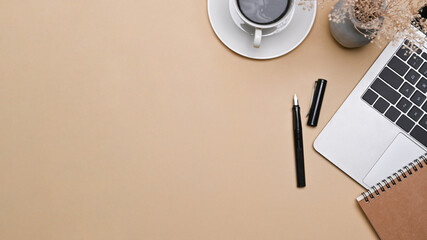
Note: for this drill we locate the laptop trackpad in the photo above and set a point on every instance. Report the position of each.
(398, 154)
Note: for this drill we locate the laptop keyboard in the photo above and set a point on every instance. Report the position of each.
(400, 90)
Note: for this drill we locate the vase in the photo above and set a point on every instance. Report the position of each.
(350, 32)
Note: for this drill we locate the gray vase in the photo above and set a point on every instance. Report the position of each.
(350, 32)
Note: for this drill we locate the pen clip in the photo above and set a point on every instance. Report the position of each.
(312, 98)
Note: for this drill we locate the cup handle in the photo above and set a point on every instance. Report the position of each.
(257, 37)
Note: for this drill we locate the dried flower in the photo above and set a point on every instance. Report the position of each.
(380, 21)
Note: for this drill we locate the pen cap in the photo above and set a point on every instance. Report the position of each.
(316, 102)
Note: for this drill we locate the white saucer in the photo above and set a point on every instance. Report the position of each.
(272, 46)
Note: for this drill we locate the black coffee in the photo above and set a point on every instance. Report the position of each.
(263, 11)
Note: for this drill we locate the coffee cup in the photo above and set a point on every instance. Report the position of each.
(270, 16)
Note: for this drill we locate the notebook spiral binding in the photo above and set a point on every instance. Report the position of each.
(395, 178)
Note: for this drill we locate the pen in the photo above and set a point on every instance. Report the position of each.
(298, 144)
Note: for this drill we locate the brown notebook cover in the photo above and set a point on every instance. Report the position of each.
(397, 206)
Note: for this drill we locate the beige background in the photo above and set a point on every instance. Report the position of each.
(131, 120)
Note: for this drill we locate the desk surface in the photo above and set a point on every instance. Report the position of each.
(131, 120)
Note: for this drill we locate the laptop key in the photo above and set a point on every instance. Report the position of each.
(415, 113)
(422, 85)
(370, 96)
(381, 105)
(405, 123)
(424, 55)
(407, 89)
(423, 121)
(423, 69)
(418, 98)
(412, 76)
(386, 91)
(391, 78)
(392, 113)
(403, 52)
(414, 47)
(404, 105)
(424, 107)
(415, 61)
(419, 134)
(398, 65)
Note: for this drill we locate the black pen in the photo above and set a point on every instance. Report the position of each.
(298, 144)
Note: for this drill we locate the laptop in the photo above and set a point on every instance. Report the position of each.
(382, 125)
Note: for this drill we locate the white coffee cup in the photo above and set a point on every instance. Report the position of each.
(271, 28)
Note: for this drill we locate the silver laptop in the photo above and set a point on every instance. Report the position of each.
(382, 125)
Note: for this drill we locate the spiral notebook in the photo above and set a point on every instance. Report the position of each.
(397, 206)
